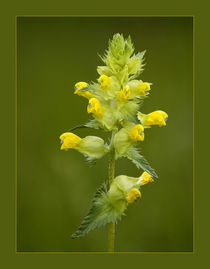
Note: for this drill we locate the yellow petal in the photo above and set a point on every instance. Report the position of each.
(144, 88)
(125, 93)
(146, 178)
(81, 85)
(154, 118)
(94, 107)
(133, 195)
(69, 141)
(104, 81)
(137, 133)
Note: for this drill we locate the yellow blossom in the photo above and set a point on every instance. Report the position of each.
(125, 93)
(146, 178)
(137, 133)
(155, 118)
(81, 85)
(133, 195)
(144, 88)
(94, 107)
(104, 81)
(69, 141)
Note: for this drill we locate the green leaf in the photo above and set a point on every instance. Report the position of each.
(101, 213)
(77, 127)
(88, 88)
(94, 124)
(140, 162)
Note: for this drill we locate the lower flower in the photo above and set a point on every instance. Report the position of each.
(124, 189)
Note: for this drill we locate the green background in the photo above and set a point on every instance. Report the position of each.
(55, 187)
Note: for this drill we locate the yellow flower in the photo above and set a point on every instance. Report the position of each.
(94, 107)
(133, 195)
(125, 93)
(81, 85)
(139, 88)
(146, 178)
(104, 81)
(69, 141)
(155, 118)
(144, 88)
(137, 133)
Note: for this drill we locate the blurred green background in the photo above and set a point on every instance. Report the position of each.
(55, 188)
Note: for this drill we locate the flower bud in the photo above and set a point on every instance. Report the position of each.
(81, 85)
(134, 66)
(155, 118)
(94, 107)
(104, 70)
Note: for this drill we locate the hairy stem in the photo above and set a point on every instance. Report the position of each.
(111, 228)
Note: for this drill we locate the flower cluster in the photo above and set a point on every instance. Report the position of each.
(114, 101)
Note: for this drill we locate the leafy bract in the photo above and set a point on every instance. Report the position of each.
(140, 162)
(101, 213)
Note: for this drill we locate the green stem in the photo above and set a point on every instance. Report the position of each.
(111, 228)
(111, 236)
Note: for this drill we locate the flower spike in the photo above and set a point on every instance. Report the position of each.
(114, 100)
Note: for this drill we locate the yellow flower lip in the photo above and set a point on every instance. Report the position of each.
(94, 107)
(81, 85)
(69, 141)
(133, 195)
(137, 133)
(145, 178)
(104, 81)
(144, 88)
